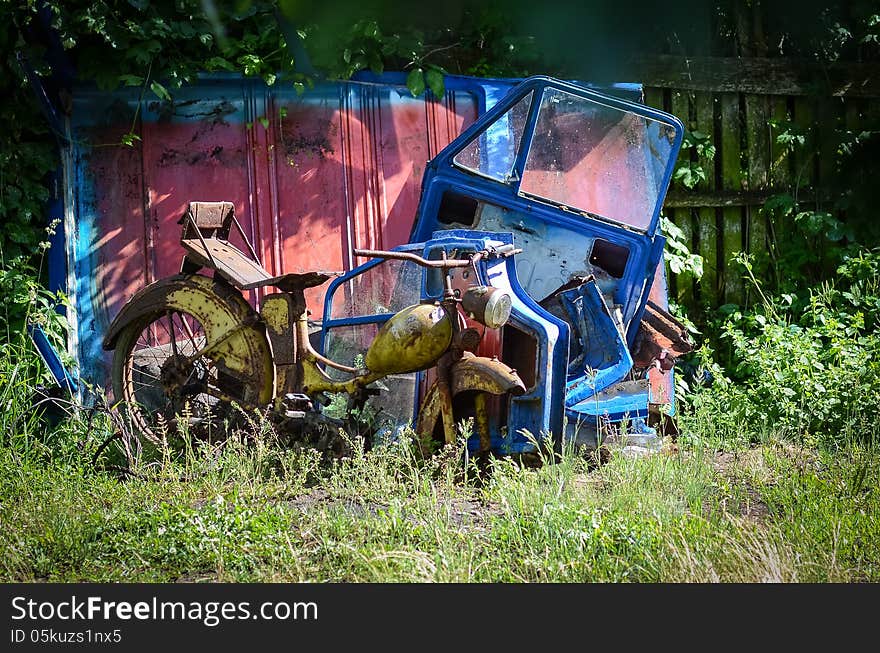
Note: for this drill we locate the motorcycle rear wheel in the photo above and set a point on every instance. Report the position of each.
(176, 391)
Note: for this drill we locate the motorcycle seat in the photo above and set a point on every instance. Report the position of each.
(206, 241)
(292, 281)
(245, 273)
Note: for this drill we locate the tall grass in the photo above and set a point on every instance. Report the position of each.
(259, 512)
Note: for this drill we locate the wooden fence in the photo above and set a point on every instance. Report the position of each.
(733, 99)
(723, 216)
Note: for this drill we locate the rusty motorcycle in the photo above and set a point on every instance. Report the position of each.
(191, 356)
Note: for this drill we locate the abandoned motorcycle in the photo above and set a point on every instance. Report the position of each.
(192, 358)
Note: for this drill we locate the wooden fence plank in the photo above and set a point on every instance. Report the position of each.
(778, 171)
(758, 141)
(732, 179)
(852, 114)
(685, 295)
(724, 215)
(676, 198)
(758, 147)
(707, 233)
(804, 158)
(779, 161)
(828, 112)
(654, 97)
(870, 114)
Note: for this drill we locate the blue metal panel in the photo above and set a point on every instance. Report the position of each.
(606, 358)
(537, 412)
(57, 257)
(616, 406)
(82, 245)
(53, 361)
(611, 359)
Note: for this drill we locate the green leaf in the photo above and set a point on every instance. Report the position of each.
(264, 121)
(836, 232)
(129, 139)
(250, 63)
(690, 174)
(434, 79)
(160, 91)
(415, 82)
(219, 63)
(672, 231)
(783, 203)
(360, 61)
(371, 29)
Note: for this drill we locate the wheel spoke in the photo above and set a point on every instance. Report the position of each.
(174, 351)
(189, 332)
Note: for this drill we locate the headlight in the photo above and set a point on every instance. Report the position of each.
(487, 305)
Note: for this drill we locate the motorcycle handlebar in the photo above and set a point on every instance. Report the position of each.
(415, 258)
(503, 250)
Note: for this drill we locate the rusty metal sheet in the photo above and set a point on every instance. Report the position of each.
(229, 261)
(661, 382)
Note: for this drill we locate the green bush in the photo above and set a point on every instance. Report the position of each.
(811, 372)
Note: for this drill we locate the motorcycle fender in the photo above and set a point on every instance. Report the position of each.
(486, 375)
(225, 302)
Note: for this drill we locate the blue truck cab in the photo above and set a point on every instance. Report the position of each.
(575, 178)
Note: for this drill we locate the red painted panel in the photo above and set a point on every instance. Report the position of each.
(404, 153)
(351, 176)
(419, 130)
(311, 229)
(119, 249)
(184, 162)
(311, 177)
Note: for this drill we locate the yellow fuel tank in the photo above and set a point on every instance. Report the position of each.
(410, 341)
